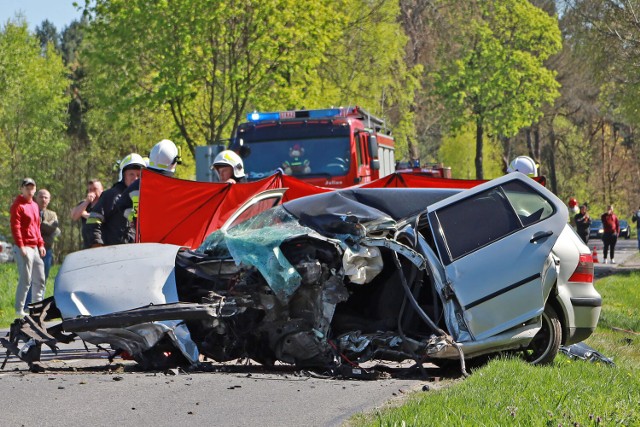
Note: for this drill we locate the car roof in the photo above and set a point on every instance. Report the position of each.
(368, 204)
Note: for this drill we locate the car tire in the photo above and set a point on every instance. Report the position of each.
(544, 347)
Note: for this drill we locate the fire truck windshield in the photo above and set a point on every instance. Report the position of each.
(321, 156)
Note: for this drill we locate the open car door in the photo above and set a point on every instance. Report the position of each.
(493, 241)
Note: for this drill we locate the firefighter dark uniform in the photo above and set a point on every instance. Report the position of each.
(106, 225)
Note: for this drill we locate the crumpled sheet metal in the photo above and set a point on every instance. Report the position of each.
(584, 352)
(139, 338)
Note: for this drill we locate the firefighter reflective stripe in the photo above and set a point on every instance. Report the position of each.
(158, 165)
(95, 218)
(132, 213)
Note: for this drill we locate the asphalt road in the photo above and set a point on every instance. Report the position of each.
(81, 388)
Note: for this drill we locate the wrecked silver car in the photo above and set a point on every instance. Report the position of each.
(432, 275)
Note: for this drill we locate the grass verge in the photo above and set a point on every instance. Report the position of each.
(508, 391)
(8, 284)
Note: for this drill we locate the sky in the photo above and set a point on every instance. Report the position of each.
(59, 12)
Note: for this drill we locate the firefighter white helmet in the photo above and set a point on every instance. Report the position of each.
(133, 160)
(164, 156)
(525, 165)
(230, 158)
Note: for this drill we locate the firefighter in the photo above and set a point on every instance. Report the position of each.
(229, 167)
(163, 159)
(105, 226)
(525, 165)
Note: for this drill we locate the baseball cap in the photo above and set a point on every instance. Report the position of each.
(28, 181)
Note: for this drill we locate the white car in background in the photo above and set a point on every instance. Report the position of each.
(6, 250)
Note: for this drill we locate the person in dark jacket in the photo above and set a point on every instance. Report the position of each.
(106, 225)
(636, 218)
(83, 209)
(583, 223)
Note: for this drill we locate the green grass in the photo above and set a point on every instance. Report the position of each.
(8, 283)
(508, 391)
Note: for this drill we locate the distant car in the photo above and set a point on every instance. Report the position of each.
(596, 231)
(6, 250)
(352, 275)
(625, 230)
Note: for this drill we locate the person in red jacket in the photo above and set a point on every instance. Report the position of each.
(611, 228)
(29, 246)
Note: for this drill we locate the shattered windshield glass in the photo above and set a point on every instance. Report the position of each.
(256, 242)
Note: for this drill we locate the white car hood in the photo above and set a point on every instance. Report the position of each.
(115, 278)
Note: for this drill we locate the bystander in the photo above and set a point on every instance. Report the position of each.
(83, 209)
(48, 228)
(636, 218)
(611, 228)
(29, 246)
(583, 223)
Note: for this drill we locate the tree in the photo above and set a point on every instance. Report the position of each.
(32, 111)
(497, 79)
(205, 62)
(48, 33)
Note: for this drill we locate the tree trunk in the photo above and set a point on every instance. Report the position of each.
(478, 162)
(551, 158)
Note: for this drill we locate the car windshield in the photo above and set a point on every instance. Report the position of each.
(623, 223)
(326, 156)
(215, 243)
(596, 223)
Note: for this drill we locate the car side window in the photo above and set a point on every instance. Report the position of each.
(476, 222)
(530, 206)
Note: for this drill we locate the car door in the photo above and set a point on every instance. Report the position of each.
(493, 241)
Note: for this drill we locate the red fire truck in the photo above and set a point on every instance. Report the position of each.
(334, 147)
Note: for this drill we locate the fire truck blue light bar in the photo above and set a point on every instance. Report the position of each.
(296, 114)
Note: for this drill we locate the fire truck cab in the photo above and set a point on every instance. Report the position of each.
(334, 147)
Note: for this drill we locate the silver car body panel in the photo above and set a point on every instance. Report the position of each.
(515, 295)
(110, 279)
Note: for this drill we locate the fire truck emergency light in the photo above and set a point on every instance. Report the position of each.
(297, 114)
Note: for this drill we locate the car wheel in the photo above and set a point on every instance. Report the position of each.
(545, 345)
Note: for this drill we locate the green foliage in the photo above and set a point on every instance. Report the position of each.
(565, 393)
(8, 284)
(204, 62)
(498, 79)
(32, 112)
(458, 152)
(208, 63)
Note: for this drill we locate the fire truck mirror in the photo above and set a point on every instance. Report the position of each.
(245, 151)
(375, 164)
(373, 149)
